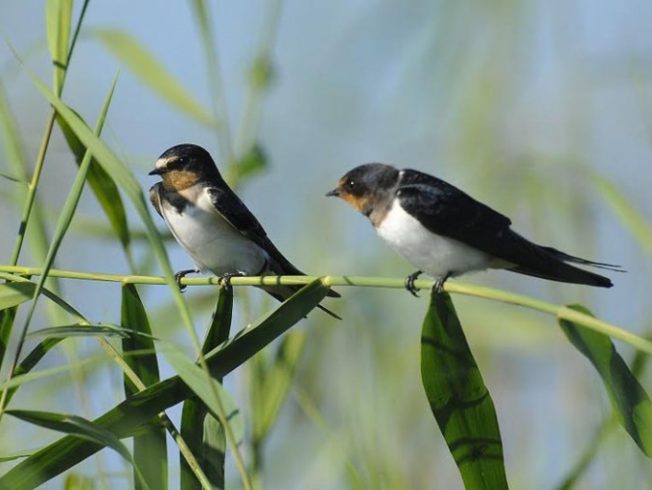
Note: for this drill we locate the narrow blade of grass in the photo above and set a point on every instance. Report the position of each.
(145, 66)
(150, 449)
(126, 418)
(58, 14)
(630, 402)
(203, 433)
(86, 330)
(459, 399)
(79, 427)
(102, 186)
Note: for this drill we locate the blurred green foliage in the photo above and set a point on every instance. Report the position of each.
(531, 106)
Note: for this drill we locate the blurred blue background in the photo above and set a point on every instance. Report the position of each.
(527, 105)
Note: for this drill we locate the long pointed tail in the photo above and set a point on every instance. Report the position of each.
(567, 273)
(558, 269)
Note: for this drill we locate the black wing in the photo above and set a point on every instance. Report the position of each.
(236, 213)
(445, 210)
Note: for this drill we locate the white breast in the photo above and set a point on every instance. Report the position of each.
(434, 254)
(210, 240)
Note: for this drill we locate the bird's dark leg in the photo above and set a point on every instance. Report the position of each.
(439, 283)
(225, 279)
(409, 283)
(181, 274)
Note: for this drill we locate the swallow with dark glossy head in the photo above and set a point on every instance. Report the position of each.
(212, 224)
(444, 232)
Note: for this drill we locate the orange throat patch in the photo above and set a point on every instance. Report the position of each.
(358, 203)
(180, 179)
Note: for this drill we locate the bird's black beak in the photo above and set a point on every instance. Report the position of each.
(157, 171)
(333, 193)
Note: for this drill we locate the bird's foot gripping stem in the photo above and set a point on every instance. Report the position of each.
(439, 283)
(225, 279)
(181, 274)
(409, 283)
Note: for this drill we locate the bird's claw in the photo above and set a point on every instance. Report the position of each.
(180, 275)
(409, 283)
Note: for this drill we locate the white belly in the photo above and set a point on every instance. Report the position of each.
(212, 242)
(433, 254)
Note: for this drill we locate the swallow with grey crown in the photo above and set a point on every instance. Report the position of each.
(444, 232)
(212, 224)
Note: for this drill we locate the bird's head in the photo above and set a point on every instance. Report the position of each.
(368, 188)
(183, 166)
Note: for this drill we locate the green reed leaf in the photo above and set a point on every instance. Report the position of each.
(459, 399)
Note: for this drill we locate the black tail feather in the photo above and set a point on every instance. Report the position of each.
(281, 293)
(567, 273)
(329, 312)
(578, 260)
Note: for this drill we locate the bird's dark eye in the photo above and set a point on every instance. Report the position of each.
(350, 185)
(177, 164)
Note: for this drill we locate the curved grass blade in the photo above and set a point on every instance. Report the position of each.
(81, 428)
(127, 417)
(144, 65)
(459, 399)
(150, 449)
(86, 330)
(203, 433)
(58, 14)
(630, 402)
(102, 186)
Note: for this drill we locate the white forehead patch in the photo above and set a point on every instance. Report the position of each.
(163, 162)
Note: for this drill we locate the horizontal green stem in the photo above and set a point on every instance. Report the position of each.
(561, 312)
